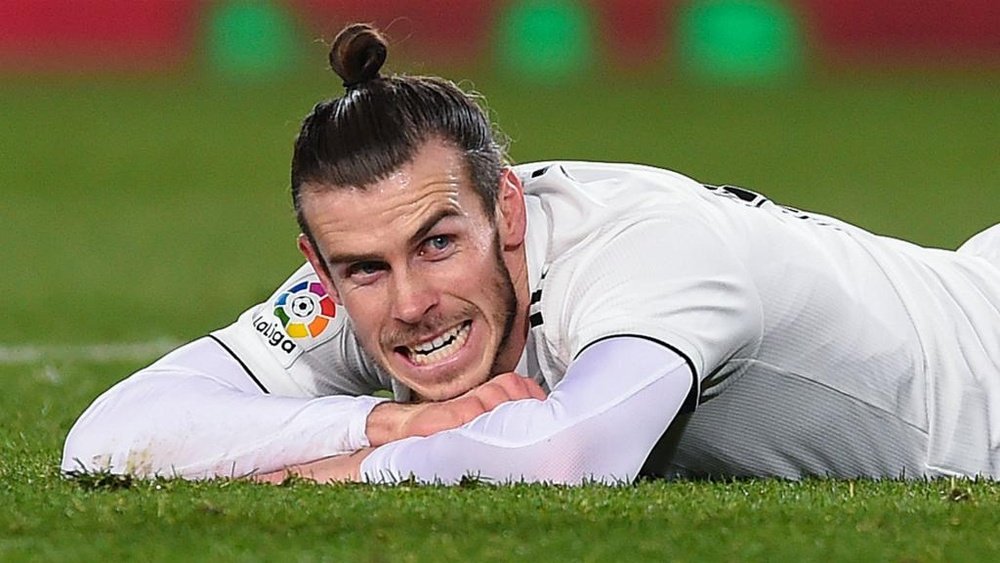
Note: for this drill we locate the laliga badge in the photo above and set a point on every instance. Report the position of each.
(302, 319)
(305, 310)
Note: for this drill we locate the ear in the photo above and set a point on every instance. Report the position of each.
(319, 265)
(511, 215)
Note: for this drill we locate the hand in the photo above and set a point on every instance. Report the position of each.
(335, 469)
(394, 421)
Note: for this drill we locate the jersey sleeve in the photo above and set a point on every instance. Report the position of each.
(598, 424)
(299, 343)
(673, 280)
(195, 414)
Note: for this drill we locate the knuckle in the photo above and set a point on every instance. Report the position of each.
(479, 406)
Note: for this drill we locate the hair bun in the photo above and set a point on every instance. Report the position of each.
(357, 54)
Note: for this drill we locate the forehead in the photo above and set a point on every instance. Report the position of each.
(361, 219)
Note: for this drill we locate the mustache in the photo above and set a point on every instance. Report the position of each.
(431, 325)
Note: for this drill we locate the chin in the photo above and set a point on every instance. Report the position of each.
(442, 390)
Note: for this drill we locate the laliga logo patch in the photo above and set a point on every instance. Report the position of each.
(305, 310)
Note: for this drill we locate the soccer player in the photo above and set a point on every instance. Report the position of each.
(562, 322)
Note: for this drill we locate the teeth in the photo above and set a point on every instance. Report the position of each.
(441, 347)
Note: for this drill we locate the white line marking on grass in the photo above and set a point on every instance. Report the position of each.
(22, 354)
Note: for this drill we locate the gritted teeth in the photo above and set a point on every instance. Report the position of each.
(440, 347)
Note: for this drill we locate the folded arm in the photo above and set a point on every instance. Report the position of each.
(196, 414)
(598, 424)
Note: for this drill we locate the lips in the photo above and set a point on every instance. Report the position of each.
(439, 348)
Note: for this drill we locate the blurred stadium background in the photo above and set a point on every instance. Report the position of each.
(145, 143)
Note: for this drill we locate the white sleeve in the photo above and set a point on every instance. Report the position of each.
(196, 413)
(598, 424)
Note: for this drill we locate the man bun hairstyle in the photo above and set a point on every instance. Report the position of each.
(358, 54)
(380, 122)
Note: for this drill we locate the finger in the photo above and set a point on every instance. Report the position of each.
(534, 389)
(519, 387)
(436, 417)
(512, 384)
(493, 394)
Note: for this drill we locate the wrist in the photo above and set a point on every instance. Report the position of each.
(385, 422)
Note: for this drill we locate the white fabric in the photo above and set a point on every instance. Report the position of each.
(985, 245)
(197, 414)
(598, 424)
(325, 361)
(752, 293)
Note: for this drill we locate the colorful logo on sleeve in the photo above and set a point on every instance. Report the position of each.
(305, 310)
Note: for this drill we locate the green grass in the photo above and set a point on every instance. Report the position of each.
(50, 518)
(143, 209)
(158, 208)
(46, 517)
(683, 521)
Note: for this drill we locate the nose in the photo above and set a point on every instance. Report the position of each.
(412, 297)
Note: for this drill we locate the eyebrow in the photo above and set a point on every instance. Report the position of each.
(432, 222)
(425, 227)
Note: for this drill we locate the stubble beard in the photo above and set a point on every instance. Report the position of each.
(504, 290)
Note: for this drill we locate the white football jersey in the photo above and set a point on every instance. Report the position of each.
(806, 335)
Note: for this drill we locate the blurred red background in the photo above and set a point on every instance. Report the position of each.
(159, 34)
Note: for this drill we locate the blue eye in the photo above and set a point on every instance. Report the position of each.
(439, 242)
(437, 247)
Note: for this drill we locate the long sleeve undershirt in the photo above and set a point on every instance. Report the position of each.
(598, 424)
(195, 414)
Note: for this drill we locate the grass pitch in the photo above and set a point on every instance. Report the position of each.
(157, 210)
(49, 518)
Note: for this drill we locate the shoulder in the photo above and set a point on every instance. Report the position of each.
(299, 342)
(544, 176)
(573, 202)
(672, 279)
(299, 316)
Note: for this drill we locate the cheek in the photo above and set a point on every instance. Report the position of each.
(367, 312)
(476, 284)
(471, 272)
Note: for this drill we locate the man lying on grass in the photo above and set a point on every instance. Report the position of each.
(551, 321)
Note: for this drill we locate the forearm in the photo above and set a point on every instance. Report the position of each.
(389, 422)
(173, 420)
(598, 424)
